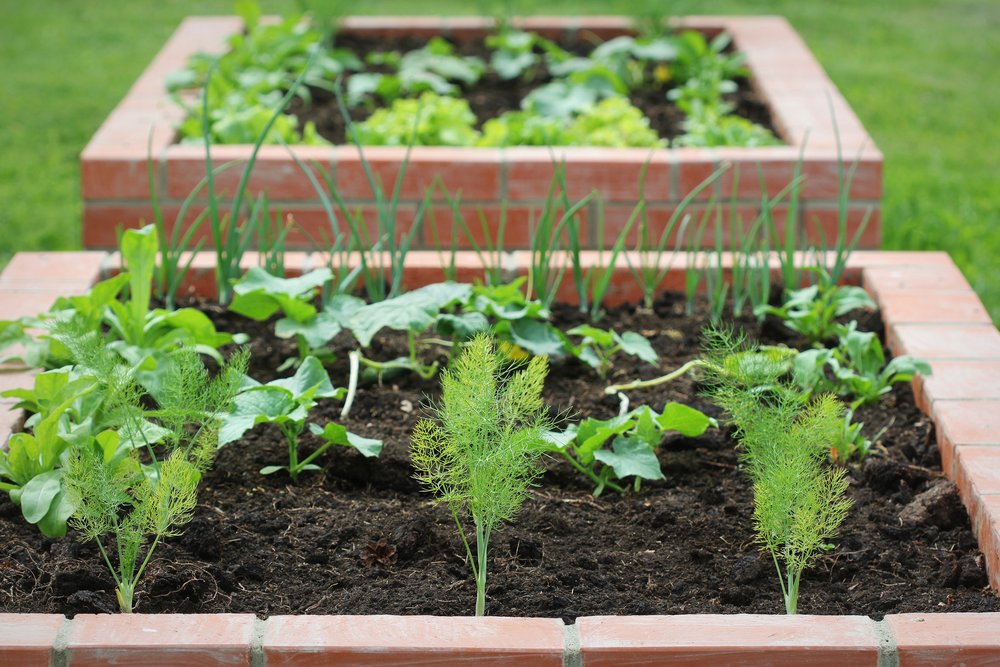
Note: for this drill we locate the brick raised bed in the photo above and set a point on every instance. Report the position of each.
(803, 102)
(929, 310)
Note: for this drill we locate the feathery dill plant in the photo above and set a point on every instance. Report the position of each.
(481, 455)
(126, 503)
(799, 500)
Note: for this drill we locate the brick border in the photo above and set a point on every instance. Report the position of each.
(960, 397)
(803, 101)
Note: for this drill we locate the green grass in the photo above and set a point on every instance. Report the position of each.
(918, 73)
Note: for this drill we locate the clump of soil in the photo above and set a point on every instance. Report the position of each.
(358, 537)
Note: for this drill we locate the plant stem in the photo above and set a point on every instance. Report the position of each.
(293, 451)
(482, 545)
(352, 383)
(663, 379)
(590, 473)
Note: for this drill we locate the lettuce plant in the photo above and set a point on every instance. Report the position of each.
(480, 456)
(430, 120)
(32, 462)
(286, 403)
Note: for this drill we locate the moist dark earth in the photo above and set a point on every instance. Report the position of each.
(359, 537)
(491, 95)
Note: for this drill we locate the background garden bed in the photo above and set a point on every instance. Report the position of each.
(807, 110)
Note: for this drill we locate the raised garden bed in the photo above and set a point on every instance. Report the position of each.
(928, 311)
(807, 111)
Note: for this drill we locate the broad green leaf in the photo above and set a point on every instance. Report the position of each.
(200, 329)
(317, 331)
(138, 248)
(342, 307)
(37, 495)
(637, 346)
(264, 402)
(463, 326)
(414, 311)
(270, 470)
(601, 337)
(258, 294)
(539, 338)
(631, 456)
(337, 434)
(53, 524)
(593, 433)
(647, 426)
(369, 447)
(556, 441)
(684, 419)
(510, 65)
(310, 380)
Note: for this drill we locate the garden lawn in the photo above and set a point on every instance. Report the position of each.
(918, 73)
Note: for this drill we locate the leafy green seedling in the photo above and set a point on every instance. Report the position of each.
(850, 442)
(599, 346)
(634, 438)
(118, 498)
(32, 462)
(812, 311)
(799, 501)
(856, 367)
(259, 295)
(413, 312)
(286, 403)
(481, 455)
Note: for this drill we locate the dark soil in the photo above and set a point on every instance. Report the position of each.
(359, 537)
(491, 96)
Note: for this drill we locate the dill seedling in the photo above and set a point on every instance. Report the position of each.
(799, 500)
(122, 501)
(481, 456)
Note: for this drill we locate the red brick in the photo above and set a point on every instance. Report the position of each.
(942, 341)
(828, 220)
(693, 167)
(425, 267)
(973, 422)
(149, 639)
(958, 379)
(949, 306)
(977, 471)
(27, 640)
(473, 172)
(741, 639)
(101, 221)
(617, 175)
(274, 171)
(15, 303)
(52, 271)
(406, 640)
(111, 172)
(822, 177)
(936, 277)
(946, 639)
(658, 219)
(901, 260)
(519, 220)
(988, 519)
